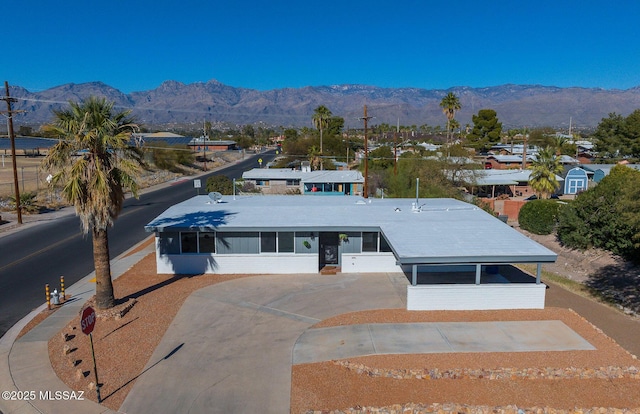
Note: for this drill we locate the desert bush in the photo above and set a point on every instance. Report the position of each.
(539, 216)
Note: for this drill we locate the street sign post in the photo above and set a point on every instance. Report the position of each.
(88, 320)
(87, 323)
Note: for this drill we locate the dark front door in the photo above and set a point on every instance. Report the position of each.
(329, 249)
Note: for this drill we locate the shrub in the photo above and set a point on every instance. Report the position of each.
(539, 216)
(221, 184)
(28, 202)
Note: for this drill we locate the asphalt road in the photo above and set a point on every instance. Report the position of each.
(40, 254)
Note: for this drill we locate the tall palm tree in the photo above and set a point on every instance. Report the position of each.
(450, 104)
(96, 165)
(543, 172)
(321, 117)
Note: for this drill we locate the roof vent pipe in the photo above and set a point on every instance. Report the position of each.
(415, 207)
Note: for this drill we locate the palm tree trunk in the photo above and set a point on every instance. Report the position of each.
(104, 286)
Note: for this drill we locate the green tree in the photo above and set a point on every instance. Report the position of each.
(290, 134)
(381, 158)
(486, 130)
(96, 165)
(335, 125)
(433, 180)
(543, 172)
(542, 137)
(619, 137)
(450, 104)
(220, 184)
(606, 216)
(321, 117)
(249, 131)
(245, 142)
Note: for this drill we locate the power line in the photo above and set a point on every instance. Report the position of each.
(9, 114)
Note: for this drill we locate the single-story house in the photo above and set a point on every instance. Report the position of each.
(602, 170)
(455, 255)
(201, 144)
(505, 162)
(492, 183)
(305, 181)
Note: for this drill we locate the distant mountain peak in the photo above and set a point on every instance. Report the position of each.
(175, 102)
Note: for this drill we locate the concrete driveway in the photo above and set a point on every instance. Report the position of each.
(229, 349)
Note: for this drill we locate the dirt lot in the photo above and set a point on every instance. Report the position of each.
(30, 176)
(573, 264)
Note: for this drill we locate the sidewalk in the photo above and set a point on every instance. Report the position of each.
(25, 364)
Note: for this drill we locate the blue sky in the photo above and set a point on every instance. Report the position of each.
(136, 45)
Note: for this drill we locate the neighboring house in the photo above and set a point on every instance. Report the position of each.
(505, 162)
(455, 255)
(602, 170)
(510, 149)
(305, 181)
(201, 144)
(196, 144)
(148, 138)
(493, 183)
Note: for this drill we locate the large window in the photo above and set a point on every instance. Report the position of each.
(207, 242)
(189, 242)
(384, 244)
(237, 242)
(197, 242)
(285, 242)
(369, 241)
(281, 242)
(268, 242)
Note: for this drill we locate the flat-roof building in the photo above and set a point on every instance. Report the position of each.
(455, 255)
(319, 182)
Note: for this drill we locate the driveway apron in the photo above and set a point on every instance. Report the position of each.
(229, 349)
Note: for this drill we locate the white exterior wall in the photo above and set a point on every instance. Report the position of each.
(369, 263)
(237, 263)
(476, 297)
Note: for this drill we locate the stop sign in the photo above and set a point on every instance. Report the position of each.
(88, 320)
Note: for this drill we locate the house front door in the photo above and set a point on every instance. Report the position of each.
(329, 255)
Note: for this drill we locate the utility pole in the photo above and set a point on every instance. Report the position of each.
(7, 98)
(347, 148)
(524, 153)
(204, 142)
(395, 149)
(366, 118)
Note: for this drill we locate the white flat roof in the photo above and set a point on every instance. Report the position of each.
(443, 231)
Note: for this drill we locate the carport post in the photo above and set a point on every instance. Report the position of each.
(538, 273)
(478, 273)
(414, 275)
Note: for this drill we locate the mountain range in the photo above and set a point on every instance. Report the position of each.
(176, 104)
